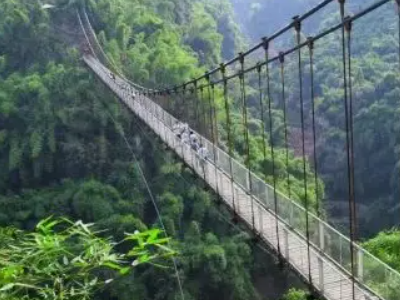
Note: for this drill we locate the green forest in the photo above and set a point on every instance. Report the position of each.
(375, 79)
(72, 192)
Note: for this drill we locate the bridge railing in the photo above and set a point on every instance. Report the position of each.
(371, 273)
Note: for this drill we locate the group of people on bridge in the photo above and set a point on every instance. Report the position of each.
(181, 130)
(123, 86)
(188, 137)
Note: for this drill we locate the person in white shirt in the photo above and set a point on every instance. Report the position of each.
(203, 152)
(176, 128)
(185, 137)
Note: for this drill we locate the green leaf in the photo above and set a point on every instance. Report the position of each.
(124, 271)
(153, 235)
(112, 265)
(93, 282)
(7, 287)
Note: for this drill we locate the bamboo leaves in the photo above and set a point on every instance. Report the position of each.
(61, 259)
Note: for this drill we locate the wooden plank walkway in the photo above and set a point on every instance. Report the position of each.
(330, 277)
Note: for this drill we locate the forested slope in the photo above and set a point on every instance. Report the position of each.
(376, 94)
(374, 45)
(62, 154)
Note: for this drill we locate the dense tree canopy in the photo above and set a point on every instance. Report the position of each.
(61, 152)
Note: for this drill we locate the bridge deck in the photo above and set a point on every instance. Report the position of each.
(329, 250)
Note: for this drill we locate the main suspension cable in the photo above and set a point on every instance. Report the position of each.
(272, 37)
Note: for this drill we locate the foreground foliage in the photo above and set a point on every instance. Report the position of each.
(65, 260)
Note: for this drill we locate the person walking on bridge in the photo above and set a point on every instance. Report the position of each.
(203, 153)
(195, 146)
(177, 128)
(192, 137)
(194, 143)
(185, 137)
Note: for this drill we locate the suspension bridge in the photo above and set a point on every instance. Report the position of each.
(335, 266)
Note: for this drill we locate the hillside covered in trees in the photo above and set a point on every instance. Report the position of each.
(62, 153)
(376, 94)
(375, 81)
